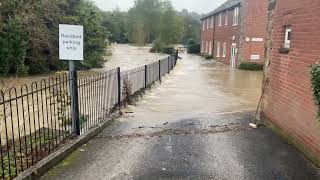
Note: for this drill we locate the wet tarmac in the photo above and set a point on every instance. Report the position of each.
(192, 126)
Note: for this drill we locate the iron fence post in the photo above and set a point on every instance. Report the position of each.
(160, 71)
(119, 87)
(146, 76)
(74, 101)
(169, 64)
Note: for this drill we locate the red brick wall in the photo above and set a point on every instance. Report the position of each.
(289, 98)
(252, 24)
(225, 33)
(207, 36)
(255, 27)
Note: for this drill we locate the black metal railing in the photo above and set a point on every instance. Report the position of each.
(36, 120)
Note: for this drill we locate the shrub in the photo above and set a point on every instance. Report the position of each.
(191, 42)
(208, 56)
(251, 66)
(315, 81)
(167, 49)
(13, 48)
(157, 46)
(194, 49)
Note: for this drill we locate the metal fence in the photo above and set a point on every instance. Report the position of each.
(36, 120)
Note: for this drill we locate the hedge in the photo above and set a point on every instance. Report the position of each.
(251, 66)
(315, 81)
(194, 49)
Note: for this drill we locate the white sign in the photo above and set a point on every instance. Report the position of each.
(70, 42)
(255, 57)
(257, 39)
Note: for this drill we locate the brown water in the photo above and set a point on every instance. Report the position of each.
(196, 89)
(129, 57)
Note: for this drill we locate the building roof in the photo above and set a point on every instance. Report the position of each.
(224, 6)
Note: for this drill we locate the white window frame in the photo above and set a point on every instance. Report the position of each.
(203, 25)
(235, 16)
(208, 23)
(218, 49)
(226, 18)
(224, 50)
(210, 47)
(207, 47)
(287, 39)
(212, 21)
(220, 19)
(202, 46)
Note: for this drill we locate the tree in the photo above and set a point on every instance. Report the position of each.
(116, 23)
(12, 48)
(170, 24)
(35, 24)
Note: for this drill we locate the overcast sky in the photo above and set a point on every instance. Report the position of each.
(199, 6)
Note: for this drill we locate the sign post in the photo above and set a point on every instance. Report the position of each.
(71, 49)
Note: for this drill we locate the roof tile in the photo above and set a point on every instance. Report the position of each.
(224, 6)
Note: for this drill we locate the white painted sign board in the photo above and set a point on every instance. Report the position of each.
(255, 57)
(257, 39)
(70, 42)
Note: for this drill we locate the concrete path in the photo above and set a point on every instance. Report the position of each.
(192, 126)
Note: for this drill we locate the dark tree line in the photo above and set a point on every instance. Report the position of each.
(153, 20)
(29, 31)
(29, 34)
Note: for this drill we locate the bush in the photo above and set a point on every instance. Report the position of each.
(13, 48)
(315, 81)
(194, 49)
(251, 66)
(208, 56)
(157, 46)
(167, 49)
(191, 42)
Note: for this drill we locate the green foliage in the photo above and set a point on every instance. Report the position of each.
(191, 26)
(315, 81)
(150, 20)
(95, 41)
(208, 56)
(251, 66)
(12, 48)
(157, 46)
(160, 47)
(194, 48)
(116, 22)
(191, 42)
(168, 49)
(31, 27)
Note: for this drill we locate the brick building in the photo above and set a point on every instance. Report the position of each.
(235, 32)
(293, 46)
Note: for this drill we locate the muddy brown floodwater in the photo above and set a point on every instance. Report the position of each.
(129, 57)
(198, 88)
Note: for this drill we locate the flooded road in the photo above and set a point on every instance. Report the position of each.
(192, 126)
